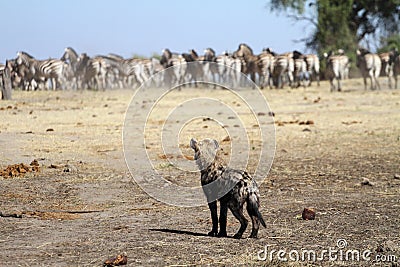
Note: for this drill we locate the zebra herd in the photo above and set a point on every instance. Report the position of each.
(267, 69)
(75, 71)
(370, 65)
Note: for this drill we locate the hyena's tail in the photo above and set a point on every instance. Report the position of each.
(253, 205)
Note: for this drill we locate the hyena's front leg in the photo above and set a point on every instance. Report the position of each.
(214, 218)
(223, 213)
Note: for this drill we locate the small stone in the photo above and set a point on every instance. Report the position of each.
(119, 260)
(396, 176)
(308, 214)
(387, 246)
(70, 168)
(366, 181)
(226, 139)
(54, 166)
(34, 163)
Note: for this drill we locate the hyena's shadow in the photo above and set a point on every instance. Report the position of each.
(179, 232)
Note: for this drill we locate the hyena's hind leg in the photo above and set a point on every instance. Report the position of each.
(237, 211)
(254, 213)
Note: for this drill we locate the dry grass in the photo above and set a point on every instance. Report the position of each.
(86, 207)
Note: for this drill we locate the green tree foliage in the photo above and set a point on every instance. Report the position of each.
(343, 23)
(156, 55)
(389, 43)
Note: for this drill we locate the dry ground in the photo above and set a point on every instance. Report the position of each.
(83, 206)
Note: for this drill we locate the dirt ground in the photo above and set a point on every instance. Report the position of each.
(83, 206)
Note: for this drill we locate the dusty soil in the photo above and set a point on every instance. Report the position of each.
(338, 153)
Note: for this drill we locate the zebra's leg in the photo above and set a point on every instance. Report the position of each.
(214, 79)
(372, 79)
(378, 86)
(365, 83)
(270, 80)
(310, 75)
(340, 84)
(291, 78)
(47, 84)
(281, 81)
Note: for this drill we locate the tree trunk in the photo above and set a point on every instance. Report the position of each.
(5, 85)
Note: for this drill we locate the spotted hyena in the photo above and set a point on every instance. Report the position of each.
(231, 187)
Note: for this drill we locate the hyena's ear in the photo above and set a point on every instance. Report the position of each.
(193, 144)
(216, 145)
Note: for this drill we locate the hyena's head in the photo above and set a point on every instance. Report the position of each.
(205, 152)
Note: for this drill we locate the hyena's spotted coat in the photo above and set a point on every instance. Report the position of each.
(231, 187)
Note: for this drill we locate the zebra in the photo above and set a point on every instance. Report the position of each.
(71, 58)
(24, 75)
(300, 69)
(283, 68)
(336, 68)
(156, 74)
(194, 68)
(139, 70)
(229, 69)
(83, 69)
(387, 67)
(313, 66)
(120, 71)
(94, 72)
(223, 61)
(42, 70)
(210, 66)
(111, 71)
(176, 75)
(266, 64)
(250, 66)
(370, 66)
(130, 72)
